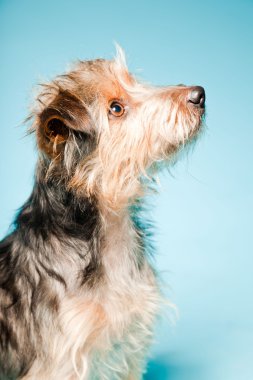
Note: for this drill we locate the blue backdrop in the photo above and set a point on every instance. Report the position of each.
(204, 211)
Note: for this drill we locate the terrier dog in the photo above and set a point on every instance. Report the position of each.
(78, 295)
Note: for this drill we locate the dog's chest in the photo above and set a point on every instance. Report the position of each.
(115, 318)
(108, 329)
(123, 296)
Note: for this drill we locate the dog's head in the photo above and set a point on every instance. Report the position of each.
(100, 130)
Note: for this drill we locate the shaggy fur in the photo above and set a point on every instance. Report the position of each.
(78, 295)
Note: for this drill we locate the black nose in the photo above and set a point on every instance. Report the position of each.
(197, 96)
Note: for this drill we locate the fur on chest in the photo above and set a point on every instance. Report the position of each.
(103, 331)
(101, 335)
(109, 325)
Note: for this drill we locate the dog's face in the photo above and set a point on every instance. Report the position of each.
(101, 129)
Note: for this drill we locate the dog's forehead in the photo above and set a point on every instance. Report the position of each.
(102, 78)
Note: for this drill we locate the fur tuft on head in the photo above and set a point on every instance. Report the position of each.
(120, 57)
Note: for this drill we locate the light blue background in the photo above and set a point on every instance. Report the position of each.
(203, 214)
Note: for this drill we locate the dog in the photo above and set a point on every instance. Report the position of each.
(78, 294)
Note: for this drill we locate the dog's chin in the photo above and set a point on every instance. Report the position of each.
(181, 142)
(198, 127)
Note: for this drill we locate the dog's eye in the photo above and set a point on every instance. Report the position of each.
(56, 130)
(116, 109)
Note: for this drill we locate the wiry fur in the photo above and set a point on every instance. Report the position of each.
(78, 295)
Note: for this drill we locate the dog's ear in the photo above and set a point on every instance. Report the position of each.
(56, 130)
(64, 115)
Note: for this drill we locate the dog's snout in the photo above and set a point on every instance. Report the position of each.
(197, 96)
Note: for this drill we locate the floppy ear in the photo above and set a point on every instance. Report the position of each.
(65, 114)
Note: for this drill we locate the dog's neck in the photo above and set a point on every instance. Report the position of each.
(105, 241)
(51, 209)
